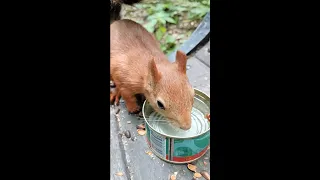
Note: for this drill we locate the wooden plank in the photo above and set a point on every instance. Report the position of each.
(117, 163)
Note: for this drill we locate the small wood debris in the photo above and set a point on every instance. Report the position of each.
(197, 175)
(118, 110)
(192, 167)
(119, 174)
(205, 174)
(141, 132)
(173, 177)
(117, 117)
(127, 133)
(149, 153)
(205, 163)
(141, 126)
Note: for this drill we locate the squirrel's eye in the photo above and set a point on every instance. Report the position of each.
(160, 105)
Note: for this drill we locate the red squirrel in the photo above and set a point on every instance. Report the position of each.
(138, 66)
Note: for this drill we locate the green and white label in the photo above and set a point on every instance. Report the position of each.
(190, 147)
(158, 143)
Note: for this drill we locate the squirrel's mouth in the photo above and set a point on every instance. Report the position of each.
(171, 119)
(173, 122)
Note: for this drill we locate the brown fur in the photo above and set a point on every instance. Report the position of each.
(115, 96)
(138, 66)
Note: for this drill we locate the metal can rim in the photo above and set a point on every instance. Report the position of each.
(176, 137)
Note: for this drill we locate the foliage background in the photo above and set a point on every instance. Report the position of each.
(171, 21)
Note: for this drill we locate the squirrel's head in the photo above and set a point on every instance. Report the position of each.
(169, 92)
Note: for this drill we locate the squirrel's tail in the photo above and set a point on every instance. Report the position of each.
(115, 8)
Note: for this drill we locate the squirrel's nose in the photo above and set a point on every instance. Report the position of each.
(185, 126)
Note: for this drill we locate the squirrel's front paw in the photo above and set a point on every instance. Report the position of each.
(114, 99)
(133, 108)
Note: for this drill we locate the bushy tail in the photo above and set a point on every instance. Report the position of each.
(115, 8)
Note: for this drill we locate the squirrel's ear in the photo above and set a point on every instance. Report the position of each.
(156, 76)
(181, 61)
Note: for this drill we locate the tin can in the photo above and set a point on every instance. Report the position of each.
(175, 149)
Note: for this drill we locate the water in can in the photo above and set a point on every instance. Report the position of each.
(199, 123)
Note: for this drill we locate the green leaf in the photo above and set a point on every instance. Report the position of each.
(139, 6)
(161, 7)
(170, 49)
(170, 39)
(162, 21)
(173, 13)
(157, 15)
(143, 6)
(163, 48)
(178, 9)
(163, 29)
(192, 16)
(180, 36)
(150, 26)
(139, 21)
(198, 13)
(200, 10)
(149, 11)
(176, 18)
(191, 4)
(170, 20)
(159, 34)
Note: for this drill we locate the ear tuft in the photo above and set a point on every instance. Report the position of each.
(181, 61)
(156, 76)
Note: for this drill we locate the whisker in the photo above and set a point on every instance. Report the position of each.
(159, 121)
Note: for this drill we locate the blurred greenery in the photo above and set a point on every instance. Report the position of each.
(162, 13)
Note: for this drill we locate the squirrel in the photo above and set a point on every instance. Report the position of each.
(115, 8)
(138, 66)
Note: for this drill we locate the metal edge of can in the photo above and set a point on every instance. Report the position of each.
(171, 148)
(175, 137)
(175, 162)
